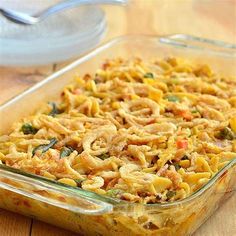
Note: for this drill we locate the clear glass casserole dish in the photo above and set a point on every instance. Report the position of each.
(89, 213)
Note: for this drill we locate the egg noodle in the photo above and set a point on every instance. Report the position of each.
(140, 131)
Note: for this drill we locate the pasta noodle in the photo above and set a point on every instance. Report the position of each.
(146, 132)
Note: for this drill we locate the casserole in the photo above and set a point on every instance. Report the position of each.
(112, 216)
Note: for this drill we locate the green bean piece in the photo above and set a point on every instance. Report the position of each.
(45, 147)
(28, 129)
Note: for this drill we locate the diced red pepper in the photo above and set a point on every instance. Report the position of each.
(187, 115)
(182, 144)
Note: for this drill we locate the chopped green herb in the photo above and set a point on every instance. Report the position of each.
(45, 147)
(176, 165)
(148, 75)
(66, 151)
(114, 192)
(103, 156)
(195, 111)
(170, 194)
(225, 133)
(28, 129)
(54, 110)
(172, 98)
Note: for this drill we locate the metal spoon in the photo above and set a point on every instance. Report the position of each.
(23, 18)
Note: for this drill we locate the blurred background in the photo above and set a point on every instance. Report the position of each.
(213, 19)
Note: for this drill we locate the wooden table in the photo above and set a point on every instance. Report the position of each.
(200, 17)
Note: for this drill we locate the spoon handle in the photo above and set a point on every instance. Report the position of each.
(74, 3)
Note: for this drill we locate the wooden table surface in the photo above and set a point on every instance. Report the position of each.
(207, 18)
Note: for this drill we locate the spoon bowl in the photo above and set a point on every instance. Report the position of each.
(26, 19)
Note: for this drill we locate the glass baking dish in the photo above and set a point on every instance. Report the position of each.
(92, 214)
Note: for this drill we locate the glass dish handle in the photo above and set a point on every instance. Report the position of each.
(72, 199)
(194, 42)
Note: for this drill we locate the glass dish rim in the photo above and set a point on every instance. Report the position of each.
(165, 40)
(116, 201)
